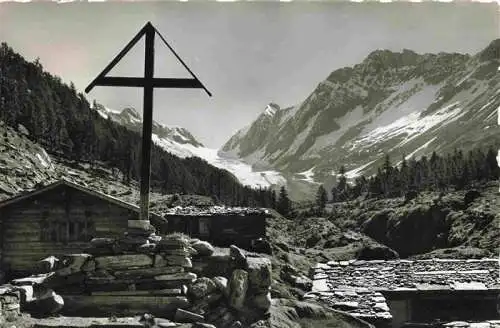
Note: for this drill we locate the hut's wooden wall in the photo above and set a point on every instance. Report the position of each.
(224, 230)
(55, 222)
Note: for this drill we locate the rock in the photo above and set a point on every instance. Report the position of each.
(88, 266)
(262, 301)
(375, 251)
(347, 306)
(102, 242)
(303, 283)
(172, 260)
(72, 263)
(147, 272)
(470, 196)
(202, 287)
(187, 316)
(284, 246)
(203, 325)
(121, 262)
(46, 306)
(238, 257)
(203, 248)
(238, 286)
(236, 324)
(381, 307)
(173, 242)
(259, 273)
(220, 283)
(184, 276)
(47, 265)
(146, 248)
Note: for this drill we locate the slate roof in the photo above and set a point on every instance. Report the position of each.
(214, 211)
(356, 286)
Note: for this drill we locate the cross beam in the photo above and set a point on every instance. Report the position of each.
(148, 83)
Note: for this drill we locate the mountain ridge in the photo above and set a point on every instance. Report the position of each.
(398, 103)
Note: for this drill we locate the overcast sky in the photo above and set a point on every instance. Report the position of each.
(246, 54)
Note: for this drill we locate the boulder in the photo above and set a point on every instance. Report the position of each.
(202, 287)
(220, 283)
(238, 286)
(203, 248)
(375, 251)
(262, 301)
(259, 273)
(238, 257)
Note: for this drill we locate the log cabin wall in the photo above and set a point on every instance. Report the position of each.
(222, 230)
(57, 221)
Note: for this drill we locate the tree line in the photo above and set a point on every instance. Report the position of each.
(456, 170)
(63, 121)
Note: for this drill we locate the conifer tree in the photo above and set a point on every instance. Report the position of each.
(321, 199)
(284, 203)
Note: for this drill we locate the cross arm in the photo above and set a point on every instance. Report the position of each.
(142, 82)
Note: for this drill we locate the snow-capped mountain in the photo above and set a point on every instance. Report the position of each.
(396, 103)
(180, 142)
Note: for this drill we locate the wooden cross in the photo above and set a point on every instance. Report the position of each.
(148, 83)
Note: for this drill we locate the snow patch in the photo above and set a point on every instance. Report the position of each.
(411, 126)
(352, 174)
(425, 145)
(270, 111)
(243, 171)
(308, 176)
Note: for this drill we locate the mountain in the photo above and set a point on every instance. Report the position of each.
(396, 103)
(59, 119)
(180, 142)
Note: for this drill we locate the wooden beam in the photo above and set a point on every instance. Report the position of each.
(141, 82)
(122, 53)
(147, 123)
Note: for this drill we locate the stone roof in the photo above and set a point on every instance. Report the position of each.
(214, 211)
(355, 286)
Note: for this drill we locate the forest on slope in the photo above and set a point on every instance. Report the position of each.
(60, 118)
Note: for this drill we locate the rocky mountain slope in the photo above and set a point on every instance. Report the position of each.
(399, 103)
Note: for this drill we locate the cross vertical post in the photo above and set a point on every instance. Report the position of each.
(147, 122)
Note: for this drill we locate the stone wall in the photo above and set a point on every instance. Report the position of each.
(142, 272)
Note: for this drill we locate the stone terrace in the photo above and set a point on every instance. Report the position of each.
(356, 286)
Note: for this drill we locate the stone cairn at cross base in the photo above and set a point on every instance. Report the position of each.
(142, 272)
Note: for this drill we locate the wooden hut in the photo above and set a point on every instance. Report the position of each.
(56, 219)
(220, 225)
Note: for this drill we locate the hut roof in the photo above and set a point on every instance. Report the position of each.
(359, 287)
(72, 185)
(214, 211)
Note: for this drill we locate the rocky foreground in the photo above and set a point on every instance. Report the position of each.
(174, 281)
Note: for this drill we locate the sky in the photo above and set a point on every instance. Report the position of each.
(246, 54)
